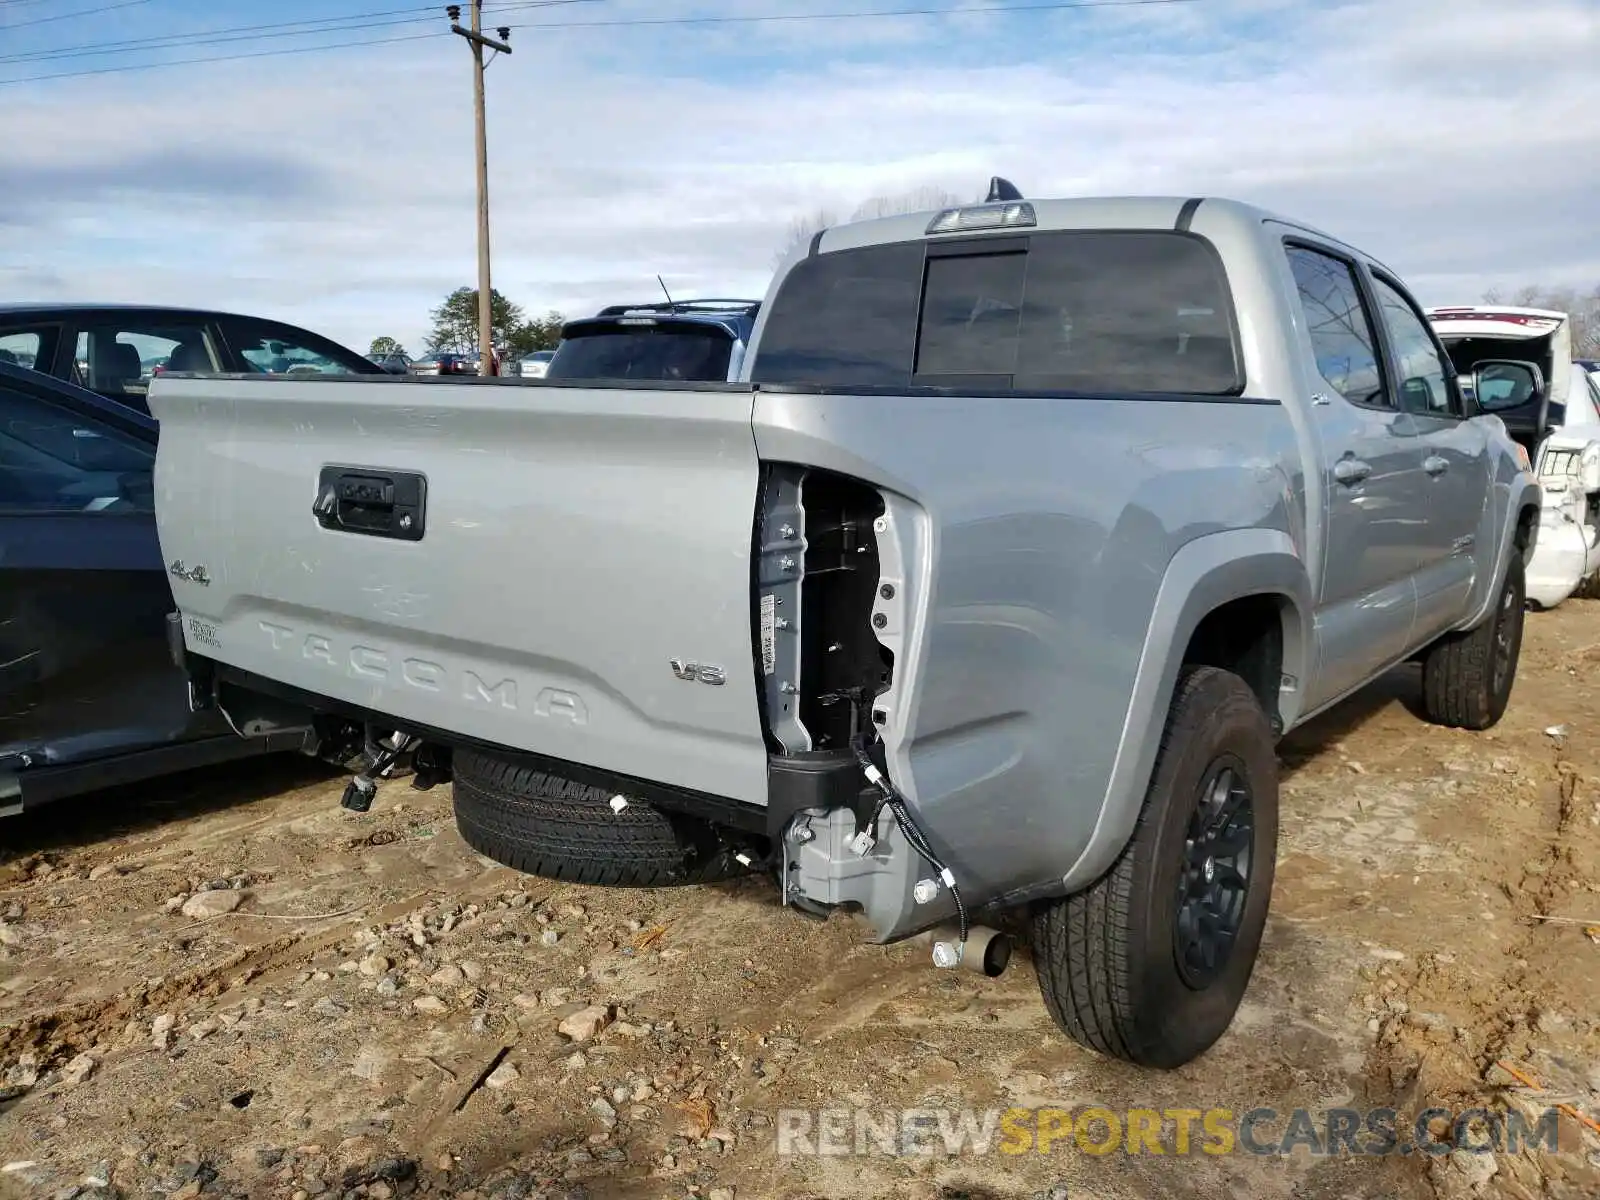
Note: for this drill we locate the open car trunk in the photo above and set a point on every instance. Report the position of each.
(561, 570)
(1473, 335)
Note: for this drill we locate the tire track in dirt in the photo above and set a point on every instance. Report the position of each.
(56, 1035)
(1450, 1018)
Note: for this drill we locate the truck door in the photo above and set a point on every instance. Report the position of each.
(1376, 500)
(1455, 461)
(84, 666)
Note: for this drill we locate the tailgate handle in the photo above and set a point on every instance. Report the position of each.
(377, 503)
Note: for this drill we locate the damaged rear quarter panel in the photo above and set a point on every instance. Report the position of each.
(1046, 528)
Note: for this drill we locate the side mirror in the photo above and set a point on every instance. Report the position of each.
(1501, 385)
(1416, 395)
(1516, 393)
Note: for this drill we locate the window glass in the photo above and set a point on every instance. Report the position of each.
(643, 352)
(276, 351)
(1342, 336)
(1424, 385)
(1077, 311)
(1127, 312)
(119, 360)
(971, 315)
(20, 347)
(53, 460)
(845, 319)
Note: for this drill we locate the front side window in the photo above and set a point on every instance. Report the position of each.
(1342, 336)
(274, 351)
(55, 460)
(1425, 373)
(1125, 312)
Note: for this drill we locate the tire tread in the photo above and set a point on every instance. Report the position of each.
(1457, 670)
(557, 828)
(1083, 943)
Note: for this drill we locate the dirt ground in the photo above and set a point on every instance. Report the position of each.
(379, 1014)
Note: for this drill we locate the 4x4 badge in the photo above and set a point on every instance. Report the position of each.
(194, 574)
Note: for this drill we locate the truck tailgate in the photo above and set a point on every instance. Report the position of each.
(574, 543)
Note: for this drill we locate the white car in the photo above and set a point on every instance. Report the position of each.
(1566, 557)
(534, 365)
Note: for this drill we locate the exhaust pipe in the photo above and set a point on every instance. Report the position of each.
(987, 951)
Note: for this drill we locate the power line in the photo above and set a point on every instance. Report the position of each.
(183, 62)
(161, 40)
(972, 10)
(243, 33)
(82, 12)
(620, 23)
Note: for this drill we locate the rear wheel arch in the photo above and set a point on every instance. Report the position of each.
(1252, 637)
(1527, 522)
(1239, 580)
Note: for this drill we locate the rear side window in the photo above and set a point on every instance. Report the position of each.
(644, 352)
(21, 347)
(31, 346)
(1096, 311)
(1342, 337)
(119, 359)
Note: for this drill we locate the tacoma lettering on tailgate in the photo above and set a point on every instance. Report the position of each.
(423, 674)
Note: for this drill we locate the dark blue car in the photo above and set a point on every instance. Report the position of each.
(90, 694)
(685, 341)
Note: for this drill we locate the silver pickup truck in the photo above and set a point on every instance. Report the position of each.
(987, 591)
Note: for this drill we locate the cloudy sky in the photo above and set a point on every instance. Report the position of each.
(1459, 140)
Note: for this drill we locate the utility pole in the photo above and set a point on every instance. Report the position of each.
(478, 41)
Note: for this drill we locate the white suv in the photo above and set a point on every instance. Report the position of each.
(533, 366)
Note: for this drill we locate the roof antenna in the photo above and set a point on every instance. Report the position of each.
(1001, 190)
(670, 302)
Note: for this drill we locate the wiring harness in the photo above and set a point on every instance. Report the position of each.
(890, 798)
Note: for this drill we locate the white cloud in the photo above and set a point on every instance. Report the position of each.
(1455, 139)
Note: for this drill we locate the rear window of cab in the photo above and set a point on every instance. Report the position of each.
(1124, 311)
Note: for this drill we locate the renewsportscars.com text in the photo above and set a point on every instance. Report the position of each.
(845, 1132)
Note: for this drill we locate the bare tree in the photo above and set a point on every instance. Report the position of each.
(922, 199)
(1582, 307)
(801, 230)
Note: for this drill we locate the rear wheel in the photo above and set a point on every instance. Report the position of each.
(1467, 677)
(1150, 962)
(554, 827)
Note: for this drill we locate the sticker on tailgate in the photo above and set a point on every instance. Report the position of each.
(769, 627)
(203, 633)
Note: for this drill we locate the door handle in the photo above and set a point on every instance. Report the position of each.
(1351, 470)
(1435, 465)
(377, 503)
